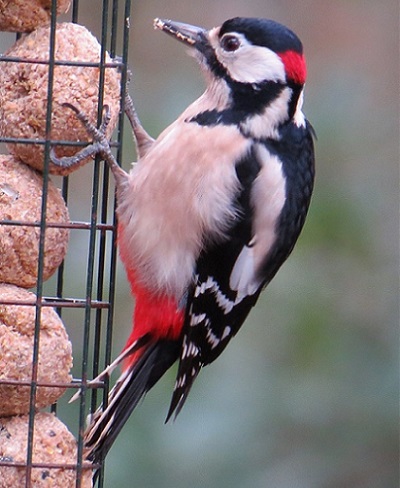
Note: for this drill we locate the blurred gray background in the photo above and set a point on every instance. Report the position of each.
(306, 396)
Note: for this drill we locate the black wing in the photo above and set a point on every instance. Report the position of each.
(214, 311)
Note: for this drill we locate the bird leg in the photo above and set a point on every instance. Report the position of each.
(143, 140)
(100, 145)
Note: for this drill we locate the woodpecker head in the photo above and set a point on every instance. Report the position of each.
(257, 60)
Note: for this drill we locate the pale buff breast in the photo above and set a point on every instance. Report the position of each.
(177, 194)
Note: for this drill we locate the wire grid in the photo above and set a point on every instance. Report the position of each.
(97, 300)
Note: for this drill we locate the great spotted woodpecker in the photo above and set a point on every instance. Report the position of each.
(210, 211)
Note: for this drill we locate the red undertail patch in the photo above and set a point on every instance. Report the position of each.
(156, 315)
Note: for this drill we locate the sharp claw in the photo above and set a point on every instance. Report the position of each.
(94, 383)
(69, 161)
(100, 144)
(71, 106)
(75, 396)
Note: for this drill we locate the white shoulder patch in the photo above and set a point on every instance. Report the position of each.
(243, 274)
(268, 197)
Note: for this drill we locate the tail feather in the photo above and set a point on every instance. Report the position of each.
(189, 367)
(130, 388)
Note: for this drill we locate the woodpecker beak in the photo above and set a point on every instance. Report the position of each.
(188, 34)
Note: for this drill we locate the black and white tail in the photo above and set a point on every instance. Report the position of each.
(108, 420)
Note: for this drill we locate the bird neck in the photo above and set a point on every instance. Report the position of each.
(258, 111)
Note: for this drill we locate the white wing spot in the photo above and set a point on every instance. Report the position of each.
(226, 333)
(189, 350)
(222, 300)
(204, 286)
(197, 319)
(213, 340)
(180, 382)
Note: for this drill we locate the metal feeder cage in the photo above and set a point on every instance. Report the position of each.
(87, 313)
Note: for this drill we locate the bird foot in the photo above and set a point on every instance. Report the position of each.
(100, 144)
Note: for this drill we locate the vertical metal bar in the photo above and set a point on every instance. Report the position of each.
(91, 261)
(114, 28)
(75, 10)
(97, 276)
(87, 318)
(103, 216)
(125, 47)
(124, 72)
(39, 292)
(61, 269)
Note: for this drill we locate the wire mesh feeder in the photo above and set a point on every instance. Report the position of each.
(36, 448)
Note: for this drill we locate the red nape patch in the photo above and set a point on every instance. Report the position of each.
(295, 66)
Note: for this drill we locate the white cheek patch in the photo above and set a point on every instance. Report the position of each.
(249, 63)
(255, 64)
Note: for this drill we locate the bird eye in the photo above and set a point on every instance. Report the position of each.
(230, 43)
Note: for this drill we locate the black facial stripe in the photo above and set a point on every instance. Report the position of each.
(246, 101)
(215, 117)
(253, 98)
